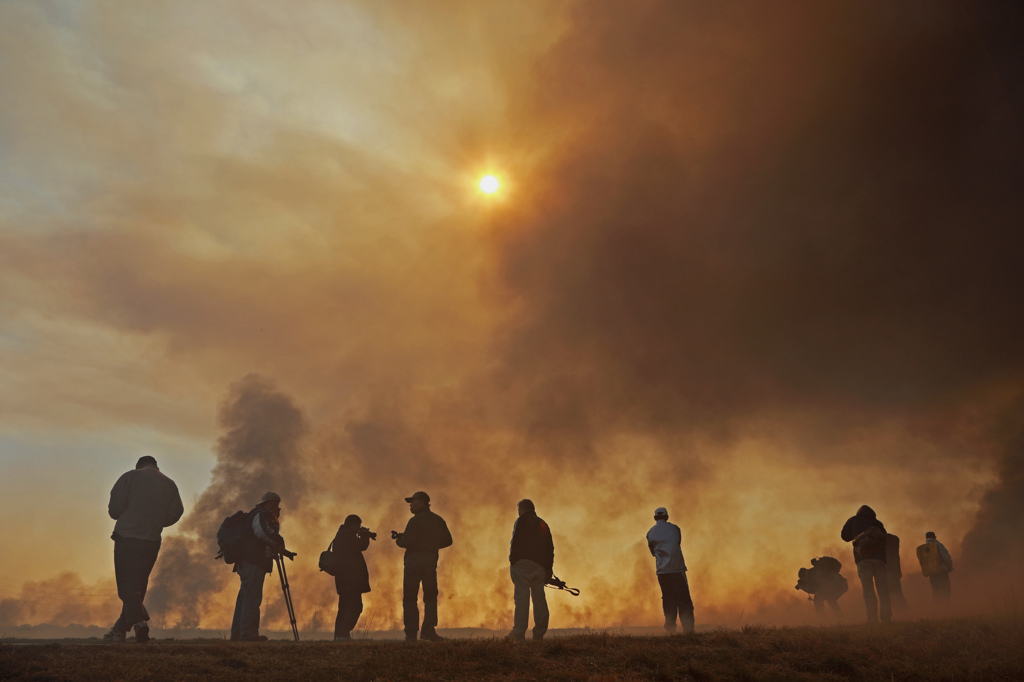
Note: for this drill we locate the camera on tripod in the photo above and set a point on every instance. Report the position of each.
(364, 531)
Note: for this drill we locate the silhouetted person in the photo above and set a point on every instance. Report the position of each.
(665, 542)
(353, 578)
(937, 564)
(895, 575)
(424, 535)
(868, 537)
(261, 541)
(143, 502)
(531, 559)
(824, 583)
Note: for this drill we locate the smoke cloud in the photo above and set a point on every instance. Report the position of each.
(756, 264)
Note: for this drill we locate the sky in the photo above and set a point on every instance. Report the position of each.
(756, 263)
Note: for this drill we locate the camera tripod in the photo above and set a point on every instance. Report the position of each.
(287, 593)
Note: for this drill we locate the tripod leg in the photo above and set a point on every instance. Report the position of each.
(287, 595)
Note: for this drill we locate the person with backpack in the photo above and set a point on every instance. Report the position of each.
(424, 535)
(936, 564)
(352, 579)
(143, 502)
(531, 562)
(867, 534)
(824, 583)
(260, 542)
(664, 540)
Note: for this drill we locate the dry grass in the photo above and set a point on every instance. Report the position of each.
(963, 649)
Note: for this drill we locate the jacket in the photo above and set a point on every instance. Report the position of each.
(857, 524)
(664, 539)
(425, 533)
(944, 557)
(144, 502)
(353, 575)
(531, 539)
(262, 539)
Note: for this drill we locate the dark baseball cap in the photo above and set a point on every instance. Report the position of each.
(419, 495)
(145, 461)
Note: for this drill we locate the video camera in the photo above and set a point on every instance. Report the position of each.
(395, 534)
(557, 584)
(364, 531)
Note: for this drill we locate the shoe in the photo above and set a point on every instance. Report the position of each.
(338, 638)
(538, 638)
(431, 636)
(513, 637)
(253, 638)
(410, 638)
(141, 632)
(114, 637)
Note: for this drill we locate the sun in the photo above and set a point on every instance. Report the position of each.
(489, 184)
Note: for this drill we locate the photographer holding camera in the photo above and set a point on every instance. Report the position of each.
(353, 578)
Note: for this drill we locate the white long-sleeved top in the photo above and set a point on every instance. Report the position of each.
(664, 540)
(944, 557)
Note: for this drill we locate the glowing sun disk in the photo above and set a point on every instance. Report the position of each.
(489, 184)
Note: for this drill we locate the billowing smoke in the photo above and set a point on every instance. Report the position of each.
(755, 262)
(258, 452)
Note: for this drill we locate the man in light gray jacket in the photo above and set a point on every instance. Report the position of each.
(143, 502)
(664, 540)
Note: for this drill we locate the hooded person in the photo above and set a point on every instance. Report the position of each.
(261, 541)
(868, 535)
(143, 502)
(664, 540)
(353, 579)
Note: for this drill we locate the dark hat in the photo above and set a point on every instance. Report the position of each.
(145, 461)
(419, 495)
(930, 534)
(661, 511)
(267, 497)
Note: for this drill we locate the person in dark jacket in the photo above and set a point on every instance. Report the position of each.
(261, 542)
(143, 502)
(868, 537)
(531, 559)
(353, 578)
(424, 535)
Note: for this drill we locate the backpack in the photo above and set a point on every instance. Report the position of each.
(928, 557)
(827, 563)
(231, 537)
(871, 541)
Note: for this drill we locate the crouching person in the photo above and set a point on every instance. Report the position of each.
(353, 578)
(261, 540)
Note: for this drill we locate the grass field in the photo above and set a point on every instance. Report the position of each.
(961, 649)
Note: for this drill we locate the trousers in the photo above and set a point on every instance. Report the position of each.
(528, 579)
(675, 599)
(419, 568)
(133, 562)
(246, 623)
(873, 577)
(350, 607)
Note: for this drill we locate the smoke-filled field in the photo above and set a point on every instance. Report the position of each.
(759, 263)
(964, 649)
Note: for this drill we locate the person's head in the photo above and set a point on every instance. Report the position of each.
(353, 522)
(146, 461)
(419, 501)
(526, 506)
(661, 514)
(929, 535)
(271, 501)
(866, 511)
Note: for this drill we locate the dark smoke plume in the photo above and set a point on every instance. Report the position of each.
(259, 452)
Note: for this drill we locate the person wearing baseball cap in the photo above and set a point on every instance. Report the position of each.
(664, 541)
(424, 535)
(262, 540)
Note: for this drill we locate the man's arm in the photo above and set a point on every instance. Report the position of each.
(408, 538)
(548, 544)
(847, 532)
(119, 495)
(176, 509)
(444, 535)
